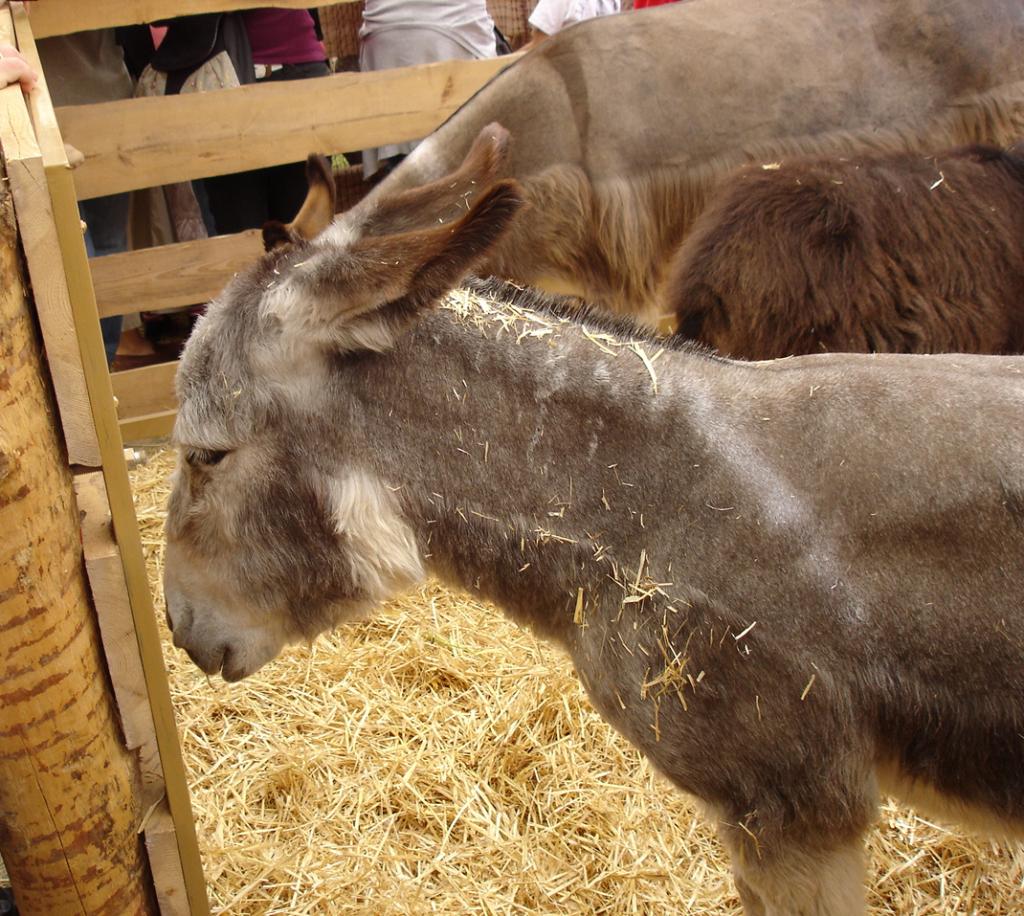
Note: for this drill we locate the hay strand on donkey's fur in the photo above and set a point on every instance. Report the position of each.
(439, 759)
(648, 365)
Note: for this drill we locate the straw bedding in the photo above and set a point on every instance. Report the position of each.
(438, 759)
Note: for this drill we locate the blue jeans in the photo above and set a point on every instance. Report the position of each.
(106, 221)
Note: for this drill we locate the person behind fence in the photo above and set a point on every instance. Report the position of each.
(405, 33)
(285, 45)
(210, 51)
(549, 17)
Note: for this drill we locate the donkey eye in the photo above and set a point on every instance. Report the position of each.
(202, 457)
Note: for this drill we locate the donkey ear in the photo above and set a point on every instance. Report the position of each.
(363, 295)
(316, 212)
(448, 197)
(275, 235)
(467, 243)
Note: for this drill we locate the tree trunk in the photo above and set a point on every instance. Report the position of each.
(69, 791)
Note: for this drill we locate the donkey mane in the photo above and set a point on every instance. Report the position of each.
(570, 309)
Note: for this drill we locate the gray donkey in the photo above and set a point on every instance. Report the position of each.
(625, 124)
(794, 585)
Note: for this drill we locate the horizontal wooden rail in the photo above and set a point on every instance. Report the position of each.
(170, 276)
(61, 17)
(149, 429)
(143, 142)
(144, 391)
(146, 402)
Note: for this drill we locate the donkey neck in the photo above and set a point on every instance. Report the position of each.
(526, 451)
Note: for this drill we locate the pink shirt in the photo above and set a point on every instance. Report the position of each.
(283, 37)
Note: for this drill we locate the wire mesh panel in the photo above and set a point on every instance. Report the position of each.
(340, 25)
(510, 17)
(349, 187)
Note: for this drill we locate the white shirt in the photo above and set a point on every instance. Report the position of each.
(466, 22)
(551, 16)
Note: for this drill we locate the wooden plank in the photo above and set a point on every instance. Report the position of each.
(40, 105)
(185, 273)
(35, 221)
(39, 239)
(161, 838)
(117, 628)
(75, 267)
(68, 787)
(127, 535)
(146, 430)
(149, 141)
(61, 17)
(144, 391)
(113, 610)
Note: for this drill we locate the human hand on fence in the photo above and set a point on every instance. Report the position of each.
(15, 69)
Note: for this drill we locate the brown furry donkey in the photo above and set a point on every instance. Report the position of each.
(882, 253)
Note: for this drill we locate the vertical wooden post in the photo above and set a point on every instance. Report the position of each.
(48, 217)
(69, 793)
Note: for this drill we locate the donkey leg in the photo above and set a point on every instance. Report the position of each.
(813, 882)
(808, 879)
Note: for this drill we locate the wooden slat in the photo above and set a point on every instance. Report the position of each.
(143, 142)
(127, 534)
(149, 429)
(38, 235)
(53, 305)
(161, 838)
(144, 391)
(73, 264)
(113, 610)
(61, 17)
(170, 276)
(117, 629)
(146, 403)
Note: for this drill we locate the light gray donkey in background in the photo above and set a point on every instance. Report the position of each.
(794, 585)
(625, 124)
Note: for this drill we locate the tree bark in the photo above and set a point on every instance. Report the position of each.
(69, 790)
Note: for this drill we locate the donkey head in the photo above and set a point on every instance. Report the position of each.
(277, 529)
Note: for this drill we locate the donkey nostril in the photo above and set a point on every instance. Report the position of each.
(208, 661)
(231, 670)
(181, 619)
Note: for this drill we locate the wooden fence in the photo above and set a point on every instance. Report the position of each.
(147, 142)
